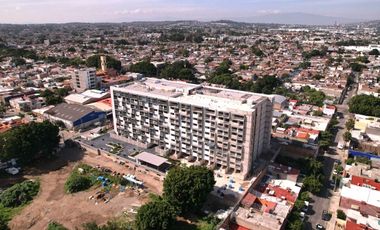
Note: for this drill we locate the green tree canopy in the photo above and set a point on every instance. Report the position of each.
(347, 136)
(313, 183)
(144, 67)
(375, 52)
(368, 105)
(187, 188)
(350, 124)
(357, 67)
(28, 142)
(155, 215)
(181, 70)
(18, 61)
(94, 61)
(55, 97)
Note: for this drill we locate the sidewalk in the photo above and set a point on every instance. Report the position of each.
(334, 206)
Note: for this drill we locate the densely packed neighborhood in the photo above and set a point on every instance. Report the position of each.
(285, 118)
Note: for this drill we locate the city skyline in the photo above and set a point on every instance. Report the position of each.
(49, 11)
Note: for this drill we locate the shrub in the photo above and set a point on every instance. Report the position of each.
(341, 215)
(76, 183)
(19, 194)
(349, 161)
(3, 223)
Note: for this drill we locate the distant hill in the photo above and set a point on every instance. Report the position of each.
(299, 19)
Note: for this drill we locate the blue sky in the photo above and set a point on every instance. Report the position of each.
(44, 11)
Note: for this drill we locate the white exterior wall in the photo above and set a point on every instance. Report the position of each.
(233, 139)
(84, 79)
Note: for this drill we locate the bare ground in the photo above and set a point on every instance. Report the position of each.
(72, 210)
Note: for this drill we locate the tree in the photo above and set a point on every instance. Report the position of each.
(305, 196)
(313, 184)
(298, 205)
(71, 50)
(155, 215)
(350, 124)
(363, 59)
(208, 59)
(368, 105)
(375, 52)
(181, 70)
(318, 113)
(296, 225)
(315, 167)
(304, 65)
(144, 67)
(28, 142)
(94, 61)
(52, 98)
(356, 67)
(187, 188)
(3, 109)
(347, 136)
(18, 61)
(257, 51)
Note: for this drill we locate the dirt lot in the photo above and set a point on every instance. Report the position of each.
(73, 210)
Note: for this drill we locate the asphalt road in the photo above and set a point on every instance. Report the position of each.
(322, 201)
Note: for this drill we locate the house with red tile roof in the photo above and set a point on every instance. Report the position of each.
(365, 182)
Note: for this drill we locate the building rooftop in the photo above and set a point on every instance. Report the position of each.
(365, 182)
(362, 194)
(204, 96)
(151, 158)
(70, 112)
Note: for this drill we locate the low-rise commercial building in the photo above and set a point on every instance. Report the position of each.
(74, 116)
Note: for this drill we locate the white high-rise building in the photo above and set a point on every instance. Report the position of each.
(84, 79)
(219, 126)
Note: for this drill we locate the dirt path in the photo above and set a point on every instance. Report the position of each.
(52, 204)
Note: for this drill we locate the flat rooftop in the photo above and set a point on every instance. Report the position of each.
(199, 95)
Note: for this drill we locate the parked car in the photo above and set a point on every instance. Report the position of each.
(305, 208)
(326, 215)
(319, 226)
(302, 216)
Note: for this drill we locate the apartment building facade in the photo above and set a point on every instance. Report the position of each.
(228, 128)
(84, 79)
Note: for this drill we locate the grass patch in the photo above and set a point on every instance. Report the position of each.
(201, 223)
(56, 226)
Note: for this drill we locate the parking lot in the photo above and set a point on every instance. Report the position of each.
(105, 143)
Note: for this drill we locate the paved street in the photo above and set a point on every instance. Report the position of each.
(328, 199)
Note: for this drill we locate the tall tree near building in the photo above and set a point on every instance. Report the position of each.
(187, 188)
(28, 142)
(155, 215)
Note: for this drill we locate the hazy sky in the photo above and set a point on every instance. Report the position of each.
(43, 11)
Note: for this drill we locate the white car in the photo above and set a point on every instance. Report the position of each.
(341, 145)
